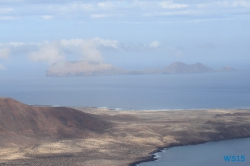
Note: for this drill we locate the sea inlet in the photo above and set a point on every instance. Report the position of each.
(234, 152)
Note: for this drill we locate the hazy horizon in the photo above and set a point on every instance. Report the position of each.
(130, 34)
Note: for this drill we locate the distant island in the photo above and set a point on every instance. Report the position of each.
(83, 68)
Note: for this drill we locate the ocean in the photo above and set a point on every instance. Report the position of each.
(147, 92)
(134, 92)
(234, 152)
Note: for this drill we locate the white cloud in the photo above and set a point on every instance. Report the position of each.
(173, 13)
(4, 52)
(5, 10)
(95, 41)
(105, 5)
(225, 4)
(8, 18)
(74, 42)
(47, 17)
(143, 4)
(132, 10)
(171, 5)
(73, 49)
(15, 44)
(154, 44)
(106, 43)
(49, 53)
(90, 49)
(84, 6)
(73, 7)
(105, 15)
(238, 3)
(90, 53)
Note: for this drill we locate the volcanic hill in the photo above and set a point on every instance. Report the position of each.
(22, 124)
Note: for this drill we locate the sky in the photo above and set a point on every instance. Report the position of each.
(131, 34)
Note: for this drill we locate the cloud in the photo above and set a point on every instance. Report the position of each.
(243, 3)
(4, 52)
(71, 42)
(90, 53)
(143, 4)
(225, 4)
(105, 5)
(154, 44)
(134, 10)
(8, 18)
(90, 50)
(5, 10)
(105, 15)
(71, 7)
(95, 41)
(175, 13)
(87, 50)
(49, 53)
(171, 5)
(105, 42)
(47, 17)
(15, 44)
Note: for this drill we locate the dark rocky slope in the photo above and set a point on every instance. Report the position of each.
(20, 123)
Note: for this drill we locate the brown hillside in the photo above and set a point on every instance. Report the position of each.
(20, 123)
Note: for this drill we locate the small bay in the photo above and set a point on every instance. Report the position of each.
(211, 153)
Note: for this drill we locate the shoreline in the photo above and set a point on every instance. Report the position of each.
(134, 136)
(138, 110)
(153, 157)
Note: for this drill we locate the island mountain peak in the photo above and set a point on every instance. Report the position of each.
(180, 67)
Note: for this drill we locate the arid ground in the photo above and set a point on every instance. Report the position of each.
(108, 137)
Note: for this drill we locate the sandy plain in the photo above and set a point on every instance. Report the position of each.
(133, 137)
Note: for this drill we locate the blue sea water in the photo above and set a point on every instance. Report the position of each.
(168, 91)
(208, 154)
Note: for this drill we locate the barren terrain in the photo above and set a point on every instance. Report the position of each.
(118, 138)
